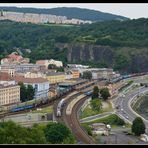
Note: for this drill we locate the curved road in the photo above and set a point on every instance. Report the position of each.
(123, 102)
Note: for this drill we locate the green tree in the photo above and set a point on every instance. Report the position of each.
(95, 93)
(105, 93)
(60, 69)
(138, 126)
(52, 66)
(87, 75)
(96, 104)
(56, 133)
(30, 92)
(23, 91)
(12, 133)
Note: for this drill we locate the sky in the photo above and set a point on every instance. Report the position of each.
(130, 10)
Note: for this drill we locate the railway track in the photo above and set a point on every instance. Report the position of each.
(70, 117)
(72, 121)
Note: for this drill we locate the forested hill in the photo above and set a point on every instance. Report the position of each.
(120, 45)
(78, 13)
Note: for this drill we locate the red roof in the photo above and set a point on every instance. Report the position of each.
(5, 76)
(18, 78)
(14, 56)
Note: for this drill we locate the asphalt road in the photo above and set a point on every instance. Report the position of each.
(124, 110)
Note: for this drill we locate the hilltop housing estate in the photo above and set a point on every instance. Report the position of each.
(40, 18)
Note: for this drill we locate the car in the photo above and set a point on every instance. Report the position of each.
(121, 109)
(126, 117)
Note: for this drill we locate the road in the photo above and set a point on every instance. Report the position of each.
(123, 102)
(92, 118)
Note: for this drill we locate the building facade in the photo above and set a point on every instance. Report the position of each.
(56, 77)
(9, 94)
(40, 85)
(51, 61)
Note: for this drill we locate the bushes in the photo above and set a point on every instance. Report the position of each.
(112, 120)
(88, 129)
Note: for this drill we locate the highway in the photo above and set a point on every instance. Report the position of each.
(122, 105)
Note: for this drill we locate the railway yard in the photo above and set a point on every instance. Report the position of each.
(66, 108)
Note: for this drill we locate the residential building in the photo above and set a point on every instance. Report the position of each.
(51, 61)
(14, 58)
(11, 72)
(22, 67)
(56, 77)
(9, 93)
(40, 18)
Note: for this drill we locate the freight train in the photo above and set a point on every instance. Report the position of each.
(122, 77)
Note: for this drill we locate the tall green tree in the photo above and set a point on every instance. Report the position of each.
(23, 91)
(138, 126)
(95, 93)
(30, 92)
(96, 104)
(105, 93)
(57, 133)
(87, 75)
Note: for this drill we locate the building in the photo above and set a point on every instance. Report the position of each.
(40, 18)
(14, 58)
(75, 73)
(40, 85)
(100, 129)
(34, 74)
(56, 77)
(22, 67)
(68, 75)
(51, 61)
(11, 72)
(77, 66)
(9, 93)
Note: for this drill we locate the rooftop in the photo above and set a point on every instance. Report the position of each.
(29, 80)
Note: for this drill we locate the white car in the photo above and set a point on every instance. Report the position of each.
(126, 117)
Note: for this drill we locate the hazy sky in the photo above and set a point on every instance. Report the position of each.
(130, 10)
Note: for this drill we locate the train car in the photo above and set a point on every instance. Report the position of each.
(88, 93)
(59, 107)
(16, 109)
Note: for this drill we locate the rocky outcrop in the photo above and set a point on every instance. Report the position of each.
(86, 52)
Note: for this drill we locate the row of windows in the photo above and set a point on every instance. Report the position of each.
(9, 96)
(8, 101)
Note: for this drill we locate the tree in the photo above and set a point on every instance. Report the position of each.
(60, 69)
(23, 91)
(95, 93)
(12, 133)
(52, 66)
(105, 93)
(138, 126)
(96, 104)
(87, 75)
(56, 133)
(30, 92)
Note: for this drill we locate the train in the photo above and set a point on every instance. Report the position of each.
(35, 103)
(59, 107)
(122, 77)
(62, 102)
(16, 109)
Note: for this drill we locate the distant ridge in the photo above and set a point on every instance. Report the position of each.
(70, 12)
